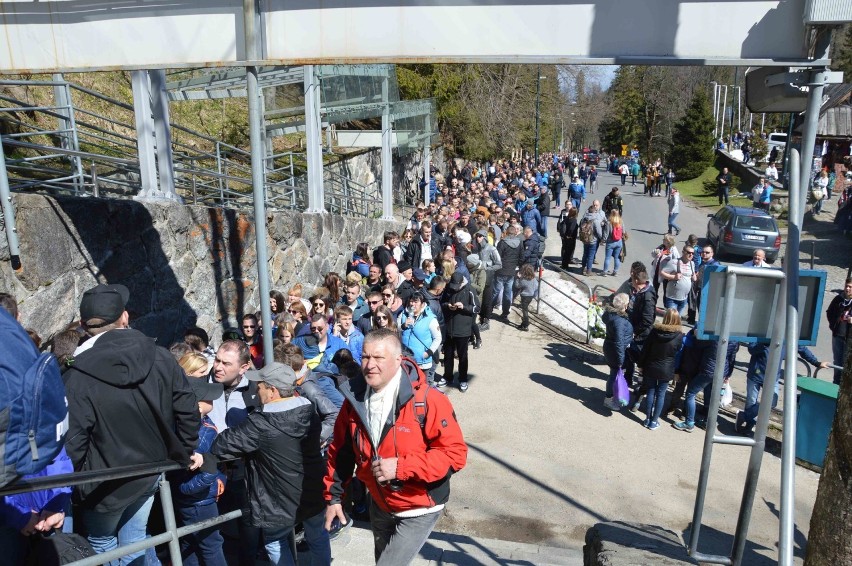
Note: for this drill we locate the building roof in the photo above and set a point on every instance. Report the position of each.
(835, 116)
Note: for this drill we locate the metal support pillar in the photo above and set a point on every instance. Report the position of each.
(8, 212)
(797, 196)
(427, 159)
(316, 198)
(387, 164)
(144, 132)
(163, 135)
(250, 12)
(722, 115)
(537, 104)
(715, 108)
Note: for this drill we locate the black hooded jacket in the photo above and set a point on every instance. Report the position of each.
(657, 359)
(111, 389)
(284, 466)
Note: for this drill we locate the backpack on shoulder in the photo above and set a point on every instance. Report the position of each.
(587, 232)
(33, 411)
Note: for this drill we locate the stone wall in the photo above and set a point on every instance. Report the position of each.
(184, 265)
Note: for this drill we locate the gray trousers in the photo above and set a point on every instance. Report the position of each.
(398, 541)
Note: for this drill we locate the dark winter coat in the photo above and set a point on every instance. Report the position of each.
(284, 467)
(642, 312)
(657, 359)
(460, 321)
(414, 253)
(619, 333)
(110, 390)
(510, 254)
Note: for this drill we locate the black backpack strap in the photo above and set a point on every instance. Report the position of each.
(420, 409)
(251, 399)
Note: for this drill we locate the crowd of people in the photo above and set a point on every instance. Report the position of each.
(346, 415)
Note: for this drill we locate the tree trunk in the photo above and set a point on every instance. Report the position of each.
(830, 535)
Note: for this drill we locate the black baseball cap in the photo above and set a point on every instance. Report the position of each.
(204, 390)
(106, 302)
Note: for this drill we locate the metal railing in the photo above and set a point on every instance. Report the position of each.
(84, 143)
(172, 532)
(586, 330)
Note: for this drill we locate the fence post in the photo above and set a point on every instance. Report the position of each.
(96, 191)
(169, 519)
(8, 212)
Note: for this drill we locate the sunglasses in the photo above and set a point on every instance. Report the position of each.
(388, 296)
(706, 253)
(294, 312)
(317, 329)
(688, 253)
(319, 303)
(374, 302)
(381, 317)
(249, 326)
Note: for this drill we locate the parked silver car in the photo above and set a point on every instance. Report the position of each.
(737, 230)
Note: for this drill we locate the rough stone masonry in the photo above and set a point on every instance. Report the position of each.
(184, 265)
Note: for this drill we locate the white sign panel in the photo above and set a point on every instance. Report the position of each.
(63, 35)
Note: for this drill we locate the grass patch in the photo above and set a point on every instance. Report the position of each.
(702, 190)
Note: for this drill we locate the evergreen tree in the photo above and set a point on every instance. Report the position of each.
(692, 150)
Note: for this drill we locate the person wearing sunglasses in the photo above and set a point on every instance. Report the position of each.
(253, 337)
(374, 301)
(384, 319)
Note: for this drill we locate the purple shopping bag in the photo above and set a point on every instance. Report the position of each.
(620, 391)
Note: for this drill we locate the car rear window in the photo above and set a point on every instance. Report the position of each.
(762, 223)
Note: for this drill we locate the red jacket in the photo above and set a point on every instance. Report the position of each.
(428, 457)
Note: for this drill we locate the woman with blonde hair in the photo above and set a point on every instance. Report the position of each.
(194, 364)
(614, 237)
(657, 361)
(286, 332)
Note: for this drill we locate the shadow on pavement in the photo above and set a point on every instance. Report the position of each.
(576, 359)
(713, 541)
(538, 483)
(592, 398)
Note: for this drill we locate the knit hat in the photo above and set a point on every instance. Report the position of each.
(473, 261)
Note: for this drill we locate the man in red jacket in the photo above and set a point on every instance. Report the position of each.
(401, 439)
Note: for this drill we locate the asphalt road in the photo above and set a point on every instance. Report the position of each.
(547, 460)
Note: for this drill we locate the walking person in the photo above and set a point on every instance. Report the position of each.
(674, 210)
(568, 227)
(407, 466)
(657, 361)
(623, 171)
(619, 334)
(614, 236)
(723, 181)
(460, 306)
(679, 275)
(670, 179)
(591, 231)
(527, 287)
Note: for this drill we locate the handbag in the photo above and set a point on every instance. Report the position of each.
(727, 396)
(59, 548)
(620, 391)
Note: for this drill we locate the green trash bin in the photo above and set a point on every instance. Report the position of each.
(817, 404)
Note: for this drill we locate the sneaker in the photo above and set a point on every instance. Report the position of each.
(701, 423)
(614, 274)
(338, 528)
(684, 426)
(636, 404)
(653, 425)
(523, 328)
(441, 382)
(463, 386)
(612, 404)
(645, 423)
(483, 326)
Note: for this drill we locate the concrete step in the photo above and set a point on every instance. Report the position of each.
(354, 547)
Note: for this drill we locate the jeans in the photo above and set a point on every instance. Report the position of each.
(277, 544)
(613, 250)
(623, 179)
(576, 202)
(503, 290)
(557, 193)
(542, 228)
(456, 344)
(753, 386)
(817, 208)
(108, 531)
(525, 310)
(678, 305)
(655, 399)
(206, 543)
(672, 226)
(398, 541)
(633, 179)
(589, 251)
(838, 350)
(723, 195)
(699, 382)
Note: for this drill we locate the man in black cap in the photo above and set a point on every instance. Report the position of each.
(281, 448)
(128, 403)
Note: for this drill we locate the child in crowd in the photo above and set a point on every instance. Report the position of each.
(197, 492)
(428, 267)
(527, 286)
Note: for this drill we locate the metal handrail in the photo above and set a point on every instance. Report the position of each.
(552, 266)
(172, 533)
(832, 366)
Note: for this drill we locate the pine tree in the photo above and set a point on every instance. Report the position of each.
(692, 143)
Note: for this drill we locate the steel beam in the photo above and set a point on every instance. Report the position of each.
(316, 197)
(144, 132)
(8, 212)
(163, 135)
(257, 176)
(387, 167)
